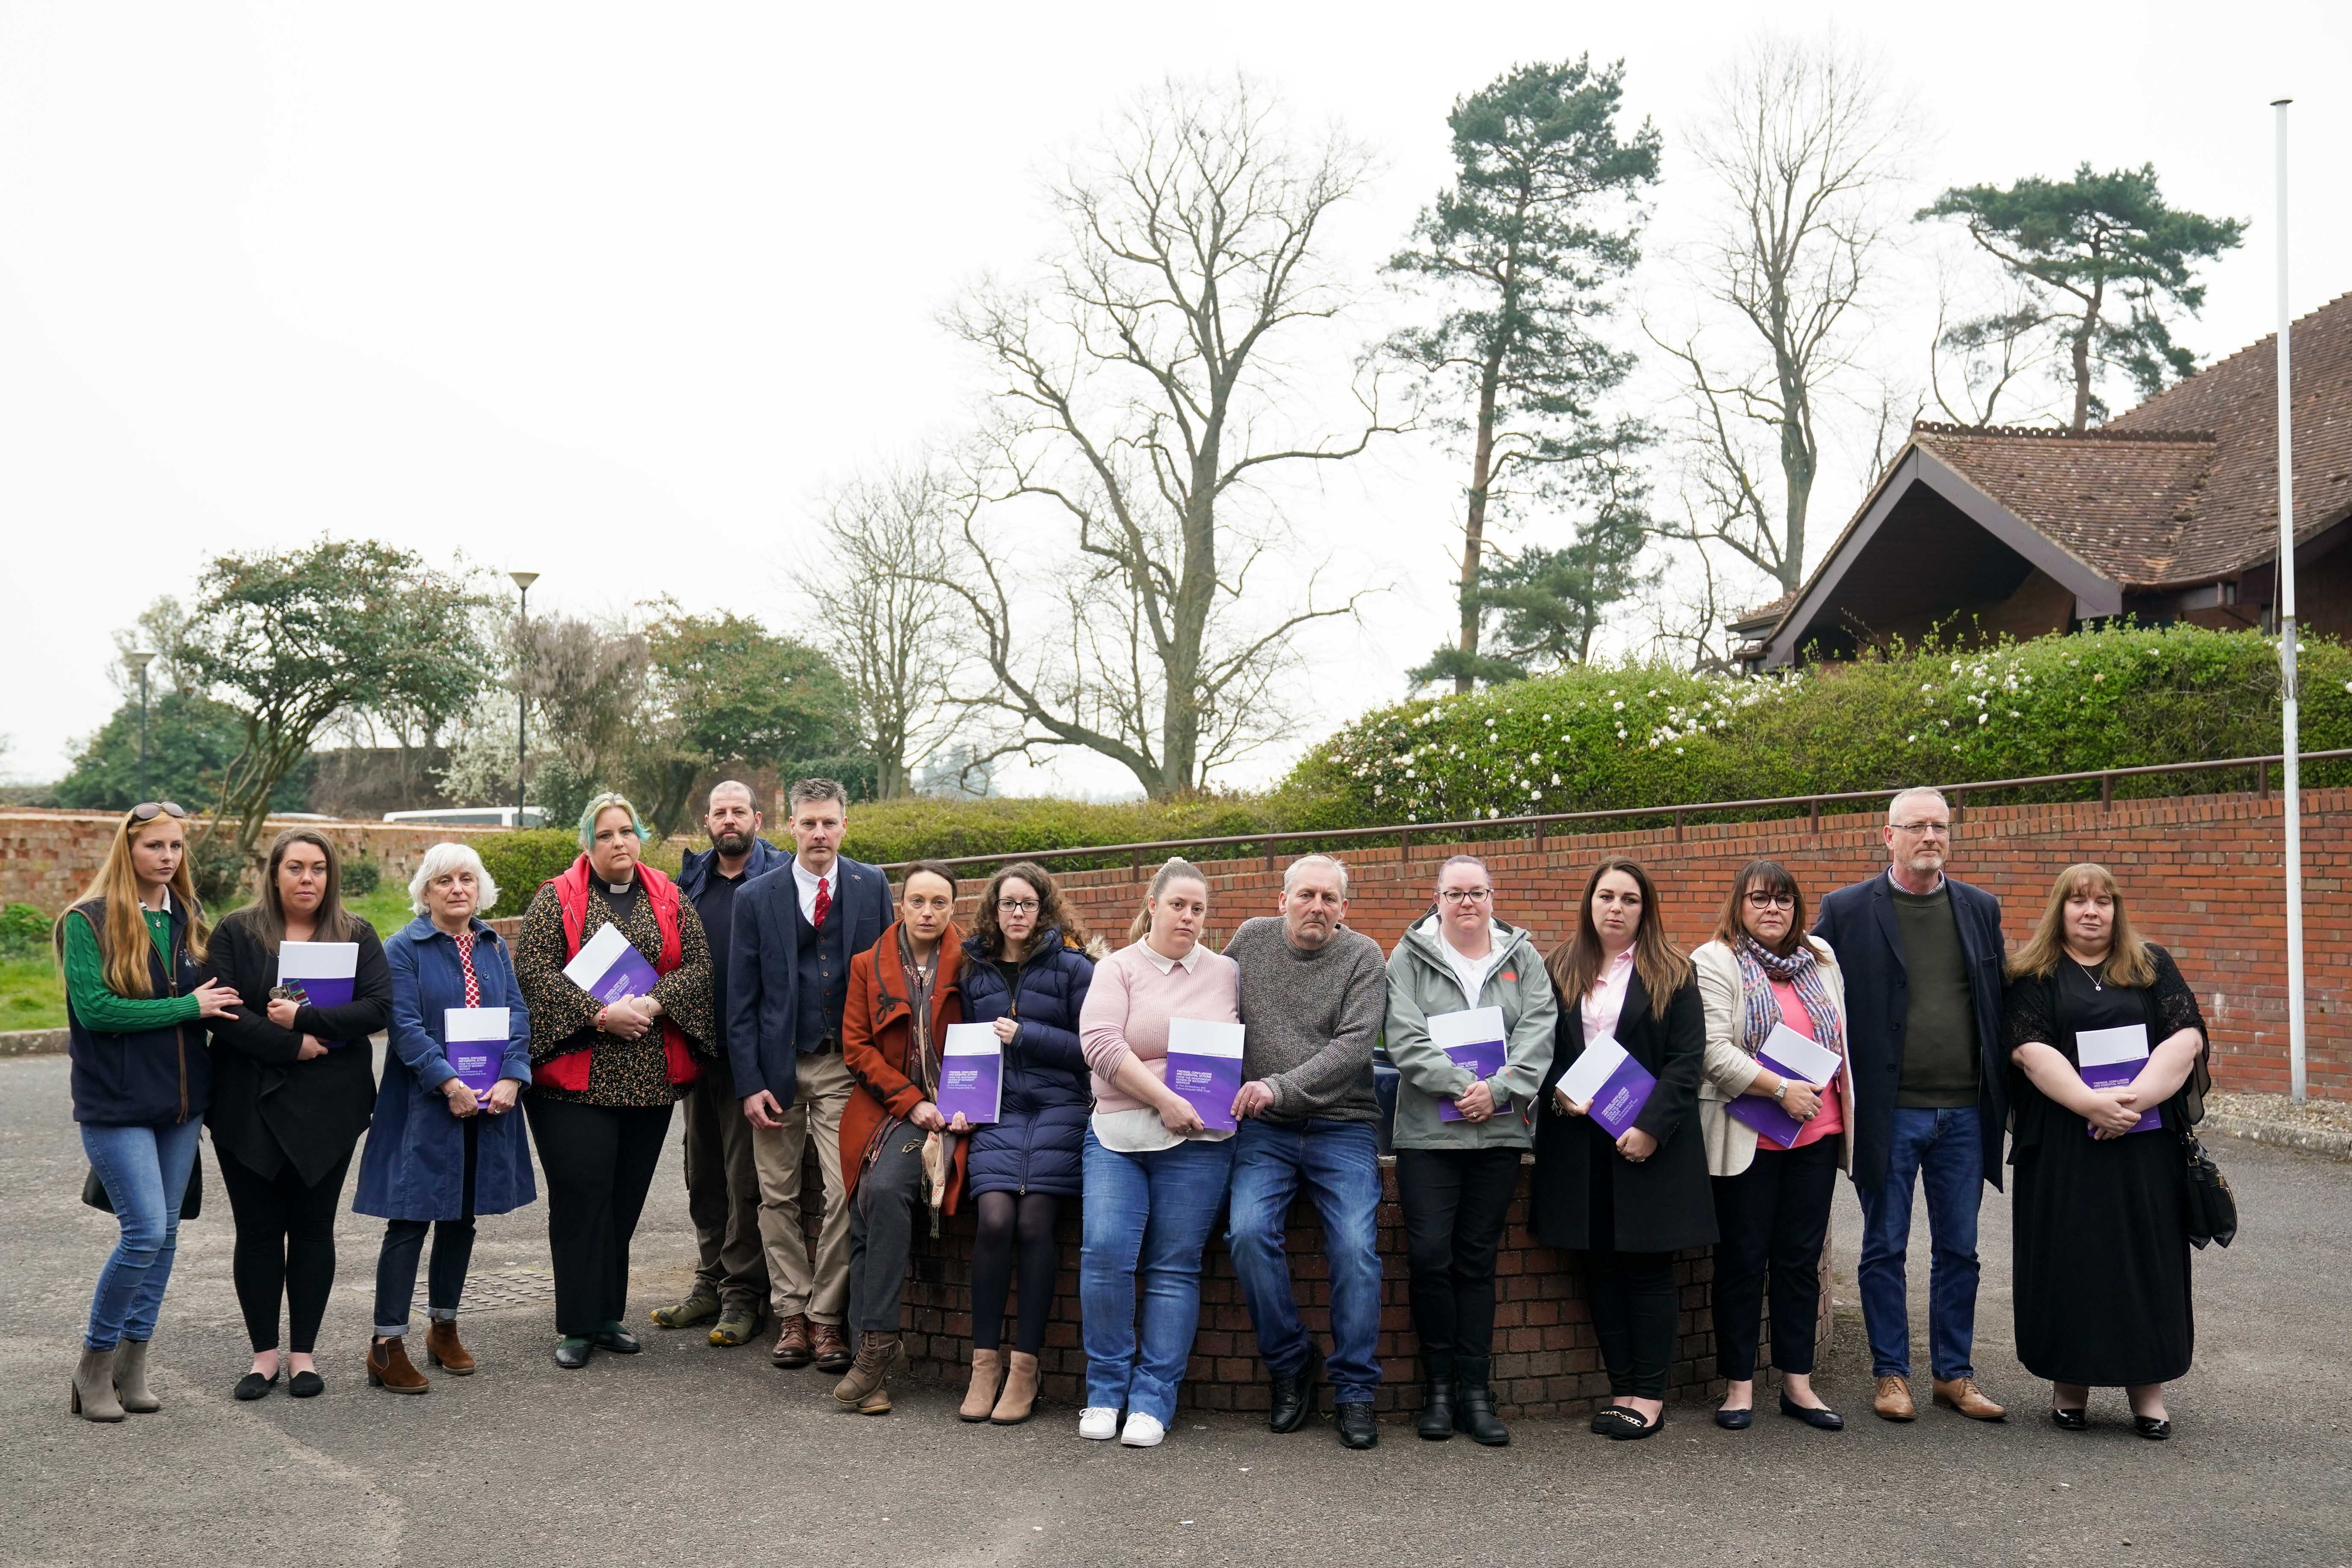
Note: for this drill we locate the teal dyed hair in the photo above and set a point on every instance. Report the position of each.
(598, 808)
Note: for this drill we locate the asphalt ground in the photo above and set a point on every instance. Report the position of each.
(689, 1455)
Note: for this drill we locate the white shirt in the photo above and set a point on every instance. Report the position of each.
(1165, 964)
(808, 882)
(1472, 971)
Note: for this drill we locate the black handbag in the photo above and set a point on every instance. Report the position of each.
(2213, 1207)
(191, 1202)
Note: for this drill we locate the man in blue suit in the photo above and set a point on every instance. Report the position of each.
(795, 930)
(722, 1184)
(1922, 955)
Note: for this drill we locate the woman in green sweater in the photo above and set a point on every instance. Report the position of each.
(135, 1008)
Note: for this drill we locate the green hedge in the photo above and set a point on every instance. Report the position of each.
(519, 862)
(887, 831)
(1631, 735)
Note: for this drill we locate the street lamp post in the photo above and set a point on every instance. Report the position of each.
(138, 662)
(522, 582)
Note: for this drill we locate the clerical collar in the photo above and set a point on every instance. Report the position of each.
(617, 889)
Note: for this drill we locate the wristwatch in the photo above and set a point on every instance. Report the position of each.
(1782, 1092)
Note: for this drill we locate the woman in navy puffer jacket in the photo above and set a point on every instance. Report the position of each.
(1026, 972)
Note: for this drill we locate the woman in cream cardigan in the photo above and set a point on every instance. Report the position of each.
(1771, 1195)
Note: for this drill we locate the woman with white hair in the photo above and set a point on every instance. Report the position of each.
(442, 1151)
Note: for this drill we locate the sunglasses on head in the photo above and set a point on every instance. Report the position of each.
(149, 810)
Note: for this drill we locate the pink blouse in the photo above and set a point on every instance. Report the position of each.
(1830, 1120)
(1606, 1000)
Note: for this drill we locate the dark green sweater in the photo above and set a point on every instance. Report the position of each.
(1940, 1031)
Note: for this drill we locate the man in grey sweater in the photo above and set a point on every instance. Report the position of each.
(1313, 997)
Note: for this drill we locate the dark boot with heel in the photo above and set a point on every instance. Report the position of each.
(1473, 1404)
(1437, 1423)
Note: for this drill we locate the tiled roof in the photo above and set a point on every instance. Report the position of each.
(2119, 503)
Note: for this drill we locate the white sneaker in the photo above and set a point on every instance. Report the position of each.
(1142, 1432)
(1097, 1424)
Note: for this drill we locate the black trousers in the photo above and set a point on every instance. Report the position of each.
(1773, 1215)
(1456, 1201)
(600, 1162)
(1014, 1226)
(887, 1206)
(1632, 1296)
(285, 1247)
(452, 1253)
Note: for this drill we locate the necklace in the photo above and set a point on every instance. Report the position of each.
(2089, 973)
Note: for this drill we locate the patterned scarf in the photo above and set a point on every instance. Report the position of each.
(1759, 966)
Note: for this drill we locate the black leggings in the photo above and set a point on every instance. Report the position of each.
(1005, 1218)
(1456, 1201)
(1632, 1295)
(600, 1162)
(285, 1247)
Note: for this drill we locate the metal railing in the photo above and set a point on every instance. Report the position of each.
(1405, 833)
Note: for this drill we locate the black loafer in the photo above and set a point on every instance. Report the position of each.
(1821, 1418)
(1356, 1427)
(572, 1355)
(2155, 1429)
(618, 1340)
(252, 1385)
(1611, 1420)
(2070, 1420)
(1632, 1429)
(307, 1386)
(1735, 1420)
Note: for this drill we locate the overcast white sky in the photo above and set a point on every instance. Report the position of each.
(610, 292)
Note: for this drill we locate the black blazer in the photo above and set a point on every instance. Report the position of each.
(1665, 1203)
(266, 1104)
(1858, 922)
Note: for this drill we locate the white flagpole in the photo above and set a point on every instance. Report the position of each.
(2296, 1073)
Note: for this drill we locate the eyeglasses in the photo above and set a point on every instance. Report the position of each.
(1760, 899)
(1016, 905)
(1925, 829)
(1466, 895)
(149, 810)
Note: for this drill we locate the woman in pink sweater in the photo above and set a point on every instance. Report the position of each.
(1154, 1174)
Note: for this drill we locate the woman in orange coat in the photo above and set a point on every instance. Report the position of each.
(900, 1158)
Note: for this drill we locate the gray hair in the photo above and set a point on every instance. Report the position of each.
(600, 803)
(1290, 872)
(442, 859)
(1918, 792)
(1453, 860)
(807, 790)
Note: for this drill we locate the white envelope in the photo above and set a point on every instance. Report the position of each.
(1471, 1026)
(2105, 1047)
(473, 1024)
(1587, 1074)
(1201, 1039)
(1801, 1056)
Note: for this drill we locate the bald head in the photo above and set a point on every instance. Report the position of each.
(733, 824)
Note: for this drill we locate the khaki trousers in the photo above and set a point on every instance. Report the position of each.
(796, 1284)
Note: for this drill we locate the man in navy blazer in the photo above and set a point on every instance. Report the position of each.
(1923, 959)
(795, 930)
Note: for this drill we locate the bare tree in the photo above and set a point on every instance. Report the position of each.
(1139, 395)
(893, 626)
(1802, 143)
(1984, 356)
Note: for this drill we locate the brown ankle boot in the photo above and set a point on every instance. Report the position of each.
(831, 1351)
(1020, 1401)
(865, 1390)
(443, 1349)
(987, 1369)
(388, 1367)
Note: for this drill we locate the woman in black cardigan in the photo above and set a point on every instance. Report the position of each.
(1628, 1204)
(293, 1086)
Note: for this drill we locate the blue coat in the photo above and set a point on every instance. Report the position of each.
(693, 871)
(414, 1166)
(1034, 1147)
(1858, 922)
(763, 974)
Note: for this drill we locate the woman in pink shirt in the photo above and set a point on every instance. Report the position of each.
(1772, 1192)
(1155, 1177)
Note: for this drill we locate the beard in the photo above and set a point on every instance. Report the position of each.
(732, 843)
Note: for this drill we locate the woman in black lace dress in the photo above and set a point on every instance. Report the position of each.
(2099, 1205)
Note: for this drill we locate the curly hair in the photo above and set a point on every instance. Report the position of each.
(1054, 913)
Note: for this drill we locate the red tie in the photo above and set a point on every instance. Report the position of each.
(466, 961)
(823, 905)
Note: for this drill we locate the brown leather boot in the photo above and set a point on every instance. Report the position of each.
(1893, 1401)
(388, 1366)
(867, 1388)
(831, 1350)
(791, 1346)
(987, 1368)
(1020, 1401)
(443, 1349)
(1961, 1394)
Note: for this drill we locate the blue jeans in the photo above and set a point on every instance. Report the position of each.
(145, 1170)
(1946, 1148)
(1340, 1163)
(1147, 1216)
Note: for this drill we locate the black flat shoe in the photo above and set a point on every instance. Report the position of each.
(1632, 1429)
(2155, 1429)
(618, 1340)
(307, 1386)
(1821, 1418)
(572, 1355)
(1735, 1420)
(252, 1385)
(2070, 1420)
(1611, 1420)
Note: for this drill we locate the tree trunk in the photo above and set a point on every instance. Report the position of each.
(2082, 360)
(1474, 525)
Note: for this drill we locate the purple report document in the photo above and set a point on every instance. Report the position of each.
(609, 968)
(1473, 1038)
(1204, 1066)
(1797, 1058)
(971, 1074)
(1615, 1084)
(2111, 1058)
(322, 971)
(475, 1041)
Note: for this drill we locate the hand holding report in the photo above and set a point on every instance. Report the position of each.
(609, 968)
(2112, 1059)
(971, 1074)
(317, 974)
(475, 1041)
(1796, 1059)
(1204, 1069)
(1473, 1038)
(1611, 1082)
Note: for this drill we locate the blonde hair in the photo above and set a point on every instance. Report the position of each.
(1176, 870)
(2129, 961)
(123, 940)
